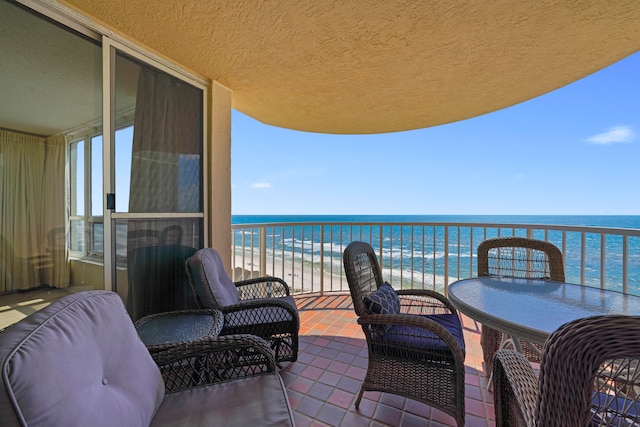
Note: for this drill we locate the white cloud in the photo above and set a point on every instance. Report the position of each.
(259, 185)
(612, 136)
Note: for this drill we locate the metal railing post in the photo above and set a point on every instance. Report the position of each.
(263, 250)
(322, 260)
(446, 260)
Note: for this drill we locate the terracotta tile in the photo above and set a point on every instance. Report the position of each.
(356, 372)
(332, 415)
(320, 391)
(472, 379)
(305, 358)
(338, 367)
(341, 398)
(367, 407)
(418, 408)
(474, 421)
(388, 415)
(329, 353)
(309, 406)
(473, 392)
(302, 420)
(361, 362)
(474, 407)
(353, 419)
(321, 362)
(294, 398)
(352, 349)
(295, 368)
(330, 378)
(393, 400)
(337, 346)
(301, 385)
(442, 418)
(410, 420)
(349, 384)
(346, 358)
(312, 373)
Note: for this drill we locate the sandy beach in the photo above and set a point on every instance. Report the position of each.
(300, 278)
(306, 278)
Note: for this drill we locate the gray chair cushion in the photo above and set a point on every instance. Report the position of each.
(78, 362)
(253, 401)
(212, 286)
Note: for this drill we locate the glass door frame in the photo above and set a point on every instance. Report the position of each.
(110, 47)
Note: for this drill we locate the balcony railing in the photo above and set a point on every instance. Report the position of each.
(425, 255)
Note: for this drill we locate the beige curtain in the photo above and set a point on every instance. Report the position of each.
(32, 212)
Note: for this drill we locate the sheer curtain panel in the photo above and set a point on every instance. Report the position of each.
(32, 212)
(165, 178)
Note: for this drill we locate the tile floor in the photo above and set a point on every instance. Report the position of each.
(324, 382)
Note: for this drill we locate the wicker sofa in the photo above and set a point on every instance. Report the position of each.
(80, 362)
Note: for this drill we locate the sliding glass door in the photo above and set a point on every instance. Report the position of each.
(50, 120)
(101, 167)
(154, 207)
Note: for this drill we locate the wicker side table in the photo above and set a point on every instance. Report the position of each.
(171, 330)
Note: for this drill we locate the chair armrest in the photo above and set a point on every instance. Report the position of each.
(420, 322)
(281, 307)
(515, 389)
(252, 287)
(259, 303)
(424, 301)
(214, 360)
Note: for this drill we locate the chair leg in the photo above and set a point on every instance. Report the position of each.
(359, 397)
(275, 346)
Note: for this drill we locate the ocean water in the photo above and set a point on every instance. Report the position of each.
(612, 221)
(413, 253)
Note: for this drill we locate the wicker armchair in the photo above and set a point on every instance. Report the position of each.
(418, 352)
(589, 376)
(516, 257)
(260, 306)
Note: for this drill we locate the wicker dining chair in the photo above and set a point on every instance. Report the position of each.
(516, 257)
(414, 337)
(260, 306)
(589, 376)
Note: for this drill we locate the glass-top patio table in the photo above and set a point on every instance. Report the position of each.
(175, 329)
(531, 309)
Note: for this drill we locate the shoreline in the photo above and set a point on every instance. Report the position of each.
(306, 278)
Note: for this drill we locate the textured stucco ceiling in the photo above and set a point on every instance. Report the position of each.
(373, 66)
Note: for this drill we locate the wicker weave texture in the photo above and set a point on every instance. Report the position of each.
(433, 374)
(173, 320)
(266, 308)
(213, 361)
(589, 375)
(516, 257)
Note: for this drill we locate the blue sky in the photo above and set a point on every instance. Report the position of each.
(574, 151)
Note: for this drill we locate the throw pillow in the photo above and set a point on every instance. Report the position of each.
(383, 301)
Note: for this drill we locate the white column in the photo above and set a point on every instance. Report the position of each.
(218, 173)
